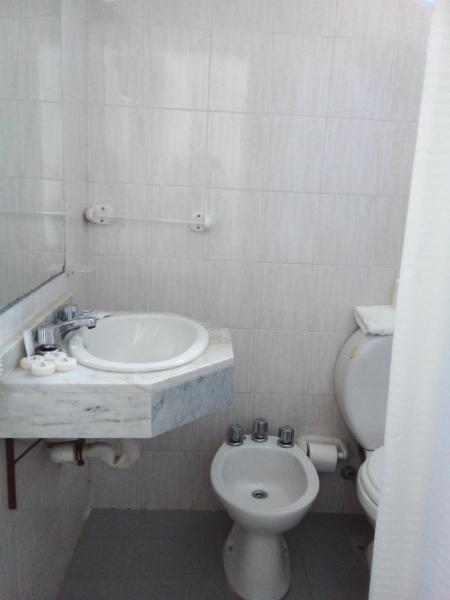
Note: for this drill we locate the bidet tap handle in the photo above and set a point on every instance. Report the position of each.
(286, 436)
(260, 430)
(235, 435)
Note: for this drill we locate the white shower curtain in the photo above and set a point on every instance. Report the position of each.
(412, 541)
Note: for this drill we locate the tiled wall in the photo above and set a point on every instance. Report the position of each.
(292, 124)
(36, 540)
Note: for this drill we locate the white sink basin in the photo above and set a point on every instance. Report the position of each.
(138, 342)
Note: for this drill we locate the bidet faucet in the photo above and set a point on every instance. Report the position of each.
(235, 435)
(260, 430)
(286, 436)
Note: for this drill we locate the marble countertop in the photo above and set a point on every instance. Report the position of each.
(218, 355)
(91, 403)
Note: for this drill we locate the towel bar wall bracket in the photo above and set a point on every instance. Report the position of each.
(102, 214)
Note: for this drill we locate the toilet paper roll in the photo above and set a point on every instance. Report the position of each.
(323, 456)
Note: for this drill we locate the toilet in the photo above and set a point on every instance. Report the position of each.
(361, 382)
(266, 489)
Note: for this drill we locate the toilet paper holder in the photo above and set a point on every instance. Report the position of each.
(342, 448)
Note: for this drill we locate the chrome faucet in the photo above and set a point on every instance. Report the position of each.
(260, 430)
(71, 318)
(286, 436)
(235, 435)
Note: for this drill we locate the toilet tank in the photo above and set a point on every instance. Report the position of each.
(361, 381)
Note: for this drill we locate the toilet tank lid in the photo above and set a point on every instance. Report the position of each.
(375, 466)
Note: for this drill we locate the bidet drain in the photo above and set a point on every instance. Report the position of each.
(260, 494)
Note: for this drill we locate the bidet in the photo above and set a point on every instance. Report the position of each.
(266, 489)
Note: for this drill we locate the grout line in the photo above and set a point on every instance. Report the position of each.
(287, 115)
(244, 261)
(268, 30)
(265, 191)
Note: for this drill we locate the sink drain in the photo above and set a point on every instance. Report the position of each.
(260, 494)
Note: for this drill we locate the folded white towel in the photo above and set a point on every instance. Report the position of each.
(377, 320)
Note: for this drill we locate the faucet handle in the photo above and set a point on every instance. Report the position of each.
(68, 312)
(235, 435)
(286, 436)
(260, 430)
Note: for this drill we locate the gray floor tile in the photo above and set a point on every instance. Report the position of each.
(299, 577)
(163, 525)
(358, 525)
(98, 559)
(152, 590)
(92, 590)
(207, 590)
(206, 563)
(165, 562)
(346, 588)
(111, 524)
(177, 555)
(209, 525)
(326, 548)
(299, 593)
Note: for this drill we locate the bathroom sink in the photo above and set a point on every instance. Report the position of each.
(138, 342)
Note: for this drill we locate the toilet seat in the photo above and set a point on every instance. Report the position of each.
(369, 482)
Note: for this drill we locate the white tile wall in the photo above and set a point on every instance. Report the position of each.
(295, 154)
(290, 227)
(304, 16)
(239, 62)
(291, 123)
(177, 154)
(12, 83)
(179, 13)
(224, 283)
(300, 71)
(235, 233)
(242, 14)
(237, 150)
(117, 144)
(116, 63)
(344, 228)
(175, 285)
(42, 56)
(178, 65)
(286, 296)
(123, 10)
(353, 156)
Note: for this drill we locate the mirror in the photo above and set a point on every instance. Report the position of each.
(32, 221)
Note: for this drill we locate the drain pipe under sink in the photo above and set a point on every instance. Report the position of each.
(73, 454)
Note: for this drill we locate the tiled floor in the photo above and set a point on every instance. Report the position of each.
(176, 555)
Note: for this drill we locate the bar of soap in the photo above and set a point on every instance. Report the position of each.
(42, 367)
(54, 355)
(27, 361)
(65, 363)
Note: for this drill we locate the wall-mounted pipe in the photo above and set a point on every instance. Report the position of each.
(68, 453)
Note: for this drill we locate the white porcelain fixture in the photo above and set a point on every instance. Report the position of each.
(361, 381)
(368, 485)
(266, 490)
(138, 342)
